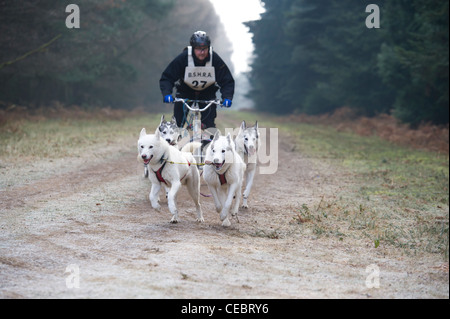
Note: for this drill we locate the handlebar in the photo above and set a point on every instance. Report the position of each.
(208, 104)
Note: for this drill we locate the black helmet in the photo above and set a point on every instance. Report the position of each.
(200, 38)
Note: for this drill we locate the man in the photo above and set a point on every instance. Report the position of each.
(197, 73)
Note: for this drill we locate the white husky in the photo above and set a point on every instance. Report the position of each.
(171, 167)
(247, 144)
(170, 132)
(224, 174)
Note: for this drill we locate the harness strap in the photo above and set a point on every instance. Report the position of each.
(222, 178)
(158, 174)
(161, 179)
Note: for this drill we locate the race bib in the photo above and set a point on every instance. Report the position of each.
(199, 77)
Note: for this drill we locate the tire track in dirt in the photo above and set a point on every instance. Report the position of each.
(65, 184)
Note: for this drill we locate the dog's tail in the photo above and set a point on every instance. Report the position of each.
(191, 147)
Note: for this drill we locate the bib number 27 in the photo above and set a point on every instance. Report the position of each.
(201, 83)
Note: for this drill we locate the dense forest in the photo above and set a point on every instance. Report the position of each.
(115, 57)
(315, 56)
(310, 56)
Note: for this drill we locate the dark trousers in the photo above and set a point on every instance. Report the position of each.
(207, 117)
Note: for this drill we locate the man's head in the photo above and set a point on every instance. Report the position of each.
(200, 42)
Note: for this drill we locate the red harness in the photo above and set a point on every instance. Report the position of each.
(222, 178)
(161, 179)
(158, 174)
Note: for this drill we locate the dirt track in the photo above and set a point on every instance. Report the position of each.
(92, 214)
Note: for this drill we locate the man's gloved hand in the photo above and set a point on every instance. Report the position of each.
(226, 103)
(168, 98)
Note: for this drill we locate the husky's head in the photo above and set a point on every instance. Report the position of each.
(248, 138)
(220, 151)
(170, 131)
(151, 147)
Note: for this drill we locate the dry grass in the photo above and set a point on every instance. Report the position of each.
(395, 194)
(426, 136)
(56, 131)
(14, 115)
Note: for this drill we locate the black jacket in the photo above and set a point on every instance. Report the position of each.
(174, 74)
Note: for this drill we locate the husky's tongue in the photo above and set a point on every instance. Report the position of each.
(146, 161)
(219, 165)
(250, 150)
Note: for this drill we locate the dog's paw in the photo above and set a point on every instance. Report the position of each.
(244, 203)
(200, 220)
(156, 207)
(174, 220)
(226, 223)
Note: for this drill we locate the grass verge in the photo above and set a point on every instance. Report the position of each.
(395, 196)
(52, 138)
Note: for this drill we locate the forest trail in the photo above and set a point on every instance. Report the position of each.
(88, 223)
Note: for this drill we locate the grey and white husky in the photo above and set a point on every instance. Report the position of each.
(247, 144)
(168, 131)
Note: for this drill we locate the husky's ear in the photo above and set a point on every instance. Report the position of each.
(174, 120)
(229, 140)
(143, 132)
(162, 120)
(257, 129)
(216, 136)
(231, 145)
(157, 133)
(242, 127)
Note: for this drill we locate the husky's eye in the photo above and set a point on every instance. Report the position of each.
(246, 138)
(150, 147)
(142, 146)
(223, 151)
